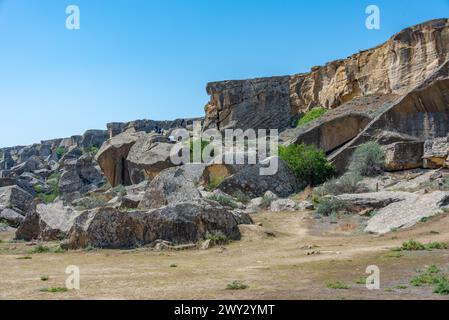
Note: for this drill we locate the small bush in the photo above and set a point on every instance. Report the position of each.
(361, 280)
(308, 163)
(237, 285)
(54, 289)
(442, 286)
(337, 285)
(90, 203)
(368, 160)
(217, 238)
(401, 287)
(242, 198)
(60, 152)
(223, 200)
(330, 206)
(413, 245)
(214, 182)
(48, 198)
(310, 116)
(92, 150)
(39, 249)
(345, 184)
(204, 144)
(436, 246)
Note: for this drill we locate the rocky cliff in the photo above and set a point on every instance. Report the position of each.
(395, 68)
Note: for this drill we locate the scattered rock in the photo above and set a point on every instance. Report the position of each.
(283, 205)
(186, 222)
(47, 222)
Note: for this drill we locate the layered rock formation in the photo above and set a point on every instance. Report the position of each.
(395, 68)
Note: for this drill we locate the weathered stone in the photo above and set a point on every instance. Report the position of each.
(406, 213)
(169, 187)
(47, 222)
(13, 218)
(148, 156)
(250, 182)
(186, 222)
(436, 152)
(112, 157)
(281, 205)
(404, 156)
(15, 197)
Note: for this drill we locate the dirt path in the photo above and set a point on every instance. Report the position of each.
(285, 258)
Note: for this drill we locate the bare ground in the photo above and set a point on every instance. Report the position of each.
(291, 256)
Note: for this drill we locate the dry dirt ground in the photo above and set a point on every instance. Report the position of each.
(291, 256)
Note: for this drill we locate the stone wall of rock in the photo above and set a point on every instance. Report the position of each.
(396, 67)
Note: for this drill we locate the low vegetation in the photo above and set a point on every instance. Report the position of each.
(39, 249)
(337, 285)
(54, 289)
(237, 285)
(368, 160)
(310, 116)
(432, 276)
(330, 206)
(91, 202)
(308, 163)
(60, 152)
(413, 245)
(45, 278)
(214, 182)
(223, 200)
(217, 238)
(202, 145)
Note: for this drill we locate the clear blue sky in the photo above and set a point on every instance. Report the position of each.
(152, 58)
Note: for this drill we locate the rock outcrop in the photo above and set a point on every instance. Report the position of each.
(250, 182)
(396, 67)
(186, 222)
(171, 186)
(47, 222)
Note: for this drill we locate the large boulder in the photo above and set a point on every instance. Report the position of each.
(404, 156)
(250, 182)
(406, 213)
(185, 222)
(47, 222)
(79, 175)
(436, 152)
(171, 186)
(112, 157)
(12, 218)
(148, 156)
(15, 197)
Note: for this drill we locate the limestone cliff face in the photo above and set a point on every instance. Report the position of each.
(395, 67)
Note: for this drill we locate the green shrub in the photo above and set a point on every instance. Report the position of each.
(442, 286)
(330, 206)
(204, 144)
(436, 246)
(237, 285)
(337, 285)
(368, 160)
(54, 289)
(90, 203)
(413, 245)
(92, 150)
(347, 183)
(48, 198)
(214, 182)
(217, 238)
(60, 152)
(308, 163)
(39, 249)
(311, 115)
(223, 200)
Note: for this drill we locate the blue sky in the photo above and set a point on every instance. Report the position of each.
(151, 59)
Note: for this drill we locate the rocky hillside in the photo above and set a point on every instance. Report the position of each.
(119, 189)
(396, 67)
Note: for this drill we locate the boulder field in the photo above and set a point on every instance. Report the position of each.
(117, 188)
